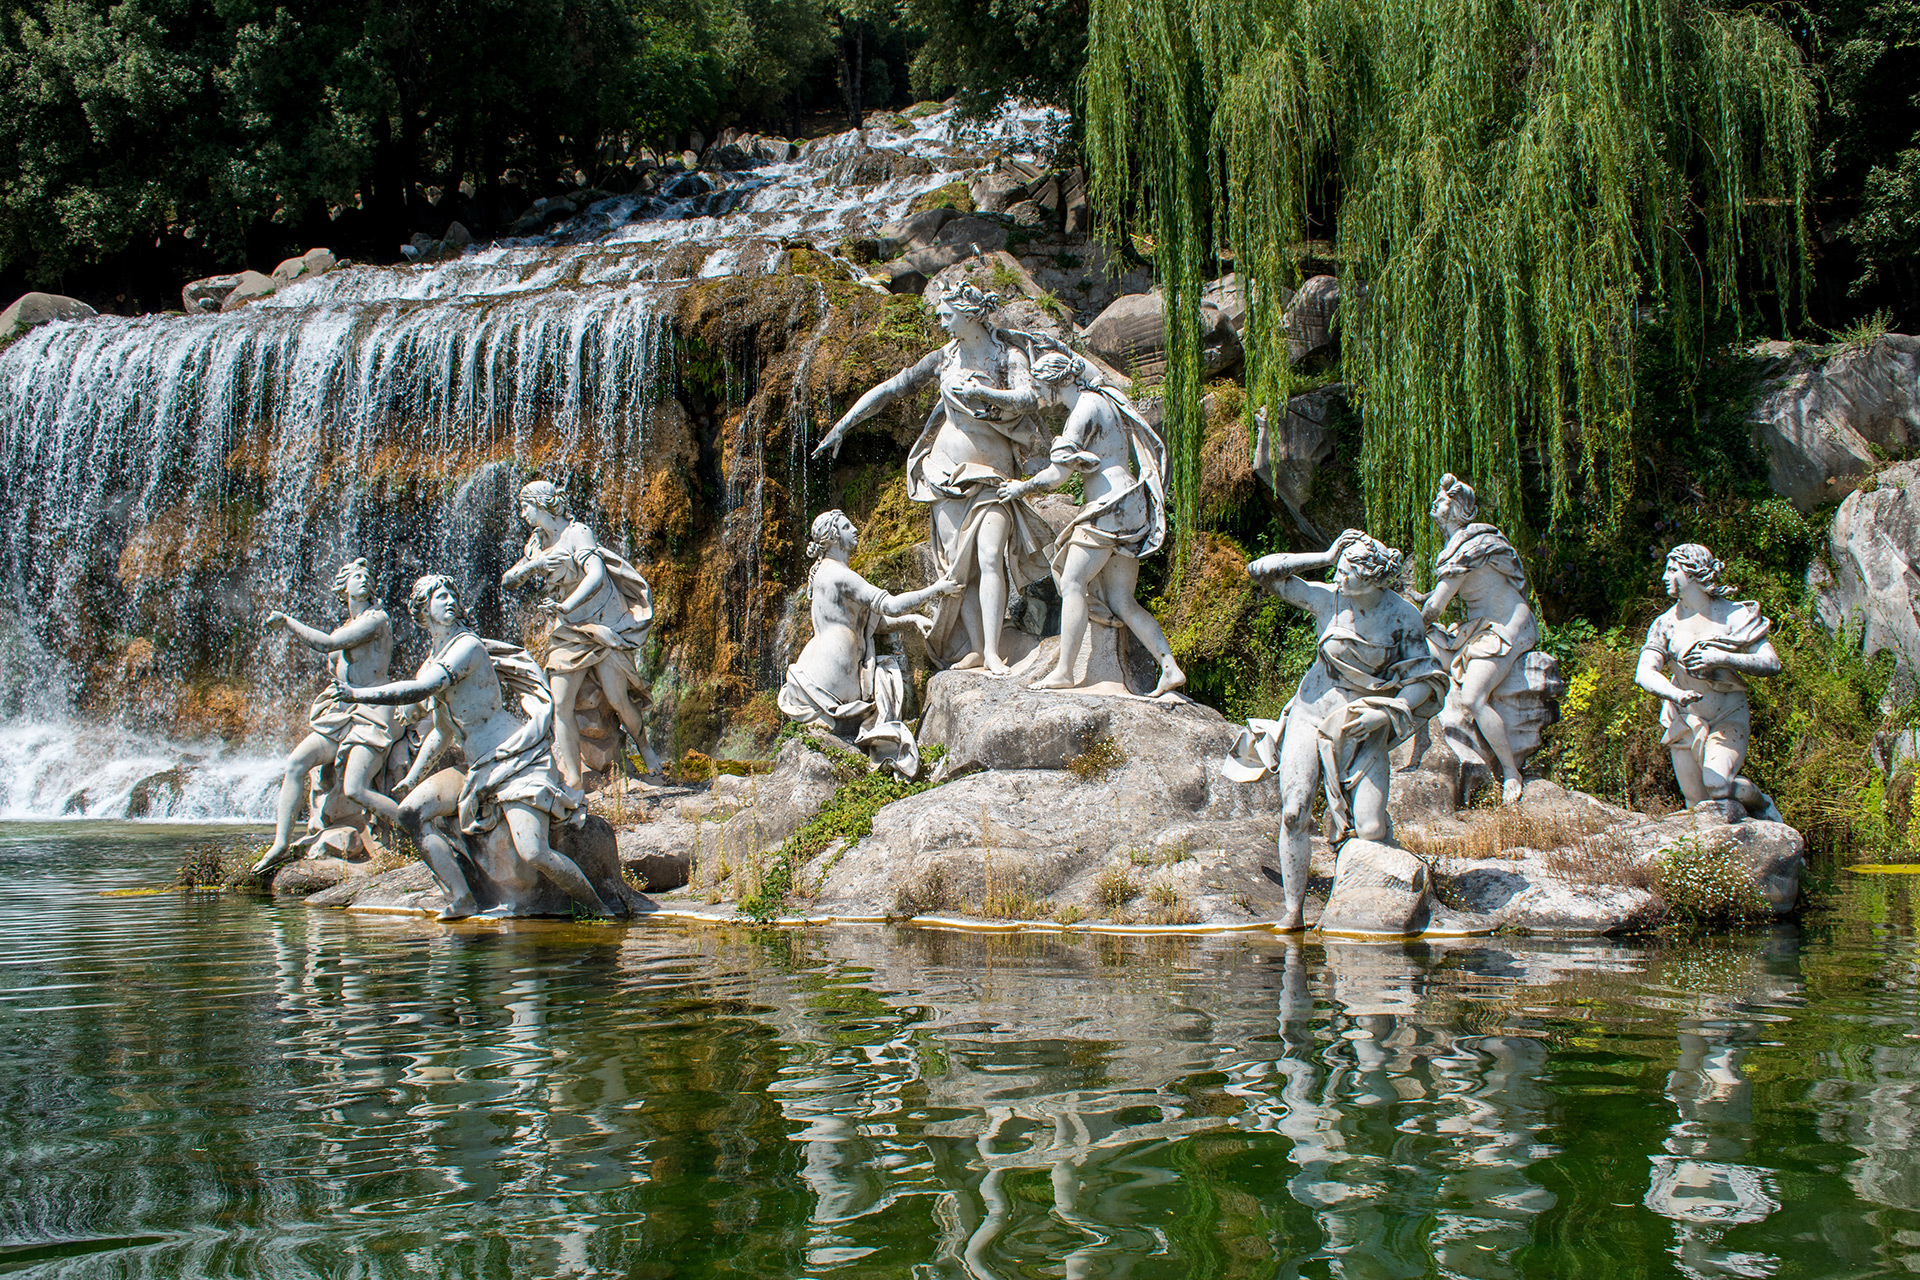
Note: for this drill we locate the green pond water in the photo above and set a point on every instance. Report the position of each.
(199, 1085)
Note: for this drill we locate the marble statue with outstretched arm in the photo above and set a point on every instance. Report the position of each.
(1122, 464)
(980, 435)
(510, 779)
(840, 681)
(1711, 645)
(1480, 568)
(354, 740)
(602, 610)
(1372, 679)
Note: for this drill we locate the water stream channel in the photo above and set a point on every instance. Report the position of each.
(218, 1085)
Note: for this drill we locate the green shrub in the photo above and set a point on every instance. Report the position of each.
(1701, 884)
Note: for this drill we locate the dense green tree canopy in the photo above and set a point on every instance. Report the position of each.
(1510, 189)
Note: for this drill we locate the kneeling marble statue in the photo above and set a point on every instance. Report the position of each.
(511, 779)
(840, 681)
(1712, 644)
(1372, 681)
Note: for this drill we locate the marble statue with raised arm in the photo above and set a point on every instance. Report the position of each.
(979, 436)
(1122, 517)
(1711, 644)
(1373, 677)
(840, 681)
(510, 778)
(1479, 568)
(602, 610)
(354, 740)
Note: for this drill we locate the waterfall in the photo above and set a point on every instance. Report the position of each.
(168, 479)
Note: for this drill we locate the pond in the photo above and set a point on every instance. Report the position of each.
(204, 1085)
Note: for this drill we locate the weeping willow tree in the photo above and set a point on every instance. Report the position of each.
(1514, 187)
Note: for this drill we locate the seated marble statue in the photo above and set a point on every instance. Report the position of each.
(1479, 568)
(1373, 678)
(1712, 644)
(348, 739)
(602, 610)
(510, 778)
(840, 682)
(1122, 517)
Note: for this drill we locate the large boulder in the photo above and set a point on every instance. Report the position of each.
(1131, 336)
(953, 241)
(1828, 421)
(1378, 890)
(205, 296)
(31, 310)
(314, 262)
(252, 285)
(1868, 579)
(1309, 318)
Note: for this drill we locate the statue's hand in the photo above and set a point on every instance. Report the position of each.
(1346, 539)
(922, 624)
(1370, 720)
(1014, 490)
(549, 606)
(1698, 660)
(1687, 697)
(344, 691)
(276, 619)
(949, 586)
(830, 443)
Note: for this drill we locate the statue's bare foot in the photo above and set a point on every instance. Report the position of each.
(1294, 921)
(1052, 680)
(272, 858)
(460, 908)
(972, 662)
(996, 667)
(1510, 791)
(500, 911)
(1171, 678)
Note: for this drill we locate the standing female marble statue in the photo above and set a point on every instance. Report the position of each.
(511, 776)
(352, 739)
(978, 436)
(1480, 568)
(1713, 644)
(1122, 517)
(602, 610)
(839, 682)
(1372, 678)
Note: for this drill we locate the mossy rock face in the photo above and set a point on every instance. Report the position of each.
(954, 195)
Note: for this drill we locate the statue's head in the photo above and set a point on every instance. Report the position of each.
(1366, 568)
(541, 495)
(964, 304)
(434, 599)
(1454, 497)
(831, 529)
(1691, 560)
(1060, 369)
(354, 581)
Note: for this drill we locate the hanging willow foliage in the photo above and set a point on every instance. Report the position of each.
(1513, 188)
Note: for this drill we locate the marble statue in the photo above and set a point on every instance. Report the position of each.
(979, 436)
(1712, 644)
(350, 740)
(1479, 568)
(1372, 679)
(839, 681)
(491, 700)
(602, 610)
(1122, 516)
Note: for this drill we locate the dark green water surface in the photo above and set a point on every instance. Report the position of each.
(197, 1085)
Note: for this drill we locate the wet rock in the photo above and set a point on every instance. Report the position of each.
(993, 192)
(659, 870)
(314, 262)
(1289, 455)
(30, 310)
(156, 794)
(1378, 889)
(205, 295)
(1871, 578)
(457, 237)
(917, 231)
(1828, 420)
(251, 286)
(875, 165)
(1027, 213)
(1076, 213)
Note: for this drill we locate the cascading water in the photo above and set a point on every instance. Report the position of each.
(169, 479)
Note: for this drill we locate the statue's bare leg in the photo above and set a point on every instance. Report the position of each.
(420, 814)
(529, 827)
(566, 730)
(314, 750)
(1483, 676)
(949, 515)
(363, 765)
(1686, 771)
(1121, 577)
(1083, 563)
(990, 554)
(1299, 781)
(1368, 802)
(1720, 765)
(619, 690)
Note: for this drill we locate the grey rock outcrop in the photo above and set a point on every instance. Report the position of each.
(251, 286)
(31, 310)
(1131, 336)
(1828, 421)
(954, 241)
(314, 262)
(1870, 579)
(1289, 455)
(205, 296)
(1378, 890)
(1309, 318)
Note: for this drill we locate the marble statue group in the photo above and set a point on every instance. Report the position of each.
(1454, 668)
